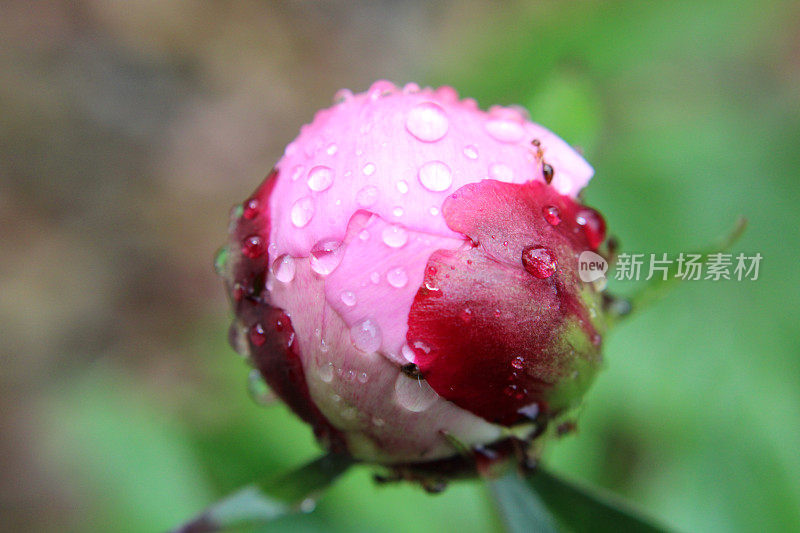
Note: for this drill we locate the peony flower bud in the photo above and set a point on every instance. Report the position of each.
(405, 279)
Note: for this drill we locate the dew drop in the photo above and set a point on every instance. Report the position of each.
(539, 261)
(414, 394)
(253, 247)
(471, 152)
(530, 411)
(394, 236)
(408, 353)
(237, 338)
(320, 178)
(397, 277)
(369, 169)
(349, 375)
(434, 211)
(367, 196)
(302, 212)
(348, 298)
(363, 377)
(375, 278)
(251, 208)
(325, 256)
(366, 336)
(342, 95)
(427, 122)
(364, 235)
(221, 260)
(284, 268)
(518, 363)
(331, 149)
(326, 372)
(505, 130)
(594, 227)
(435, 176)
(397, 211)
(552, 215)
(258, 389)
(402, 187)
(308, 505)
(297, 172)
(465, 315)
(257, 335)
(501, 172)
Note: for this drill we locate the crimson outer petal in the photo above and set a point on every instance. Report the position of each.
(491, 337)
(270, 334)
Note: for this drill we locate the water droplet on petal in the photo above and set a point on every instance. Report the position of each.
(414, 394)
(394, 236)
(253, 247)
(367, 196)
(331, 149)
(320, 178)
(363, 377)
(397, 277)
(366, 336)
(251, 208)
(471, 152)
(375, 278)
(297, 172)
(325, 256)
(434, 211)
(594, 227)
(552, 215)
(427, 122)
(284, 268)
(408, 353)
(257, 335)
(369, 169)
(258, 389)
(539, 261)
(530, 411)
(501, 172)
(221, 260)
(364, 235)
(342, 95)
(435, 176)
(402, 187)
(505, 130)
(518, 363)
(237, 338)
(348, 298)
(302, 212)
(397, 211)
(326, 372)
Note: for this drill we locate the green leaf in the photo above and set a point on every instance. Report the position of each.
(520, 507)
(268, 500)
(580, 508)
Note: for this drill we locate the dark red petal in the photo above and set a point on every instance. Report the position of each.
(488, 334)
(270, 335)
(276, 355)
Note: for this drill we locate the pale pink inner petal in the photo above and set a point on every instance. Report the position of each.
(380, 272)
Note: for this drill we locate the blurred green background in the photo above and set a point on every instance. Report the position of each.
(127, 129)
